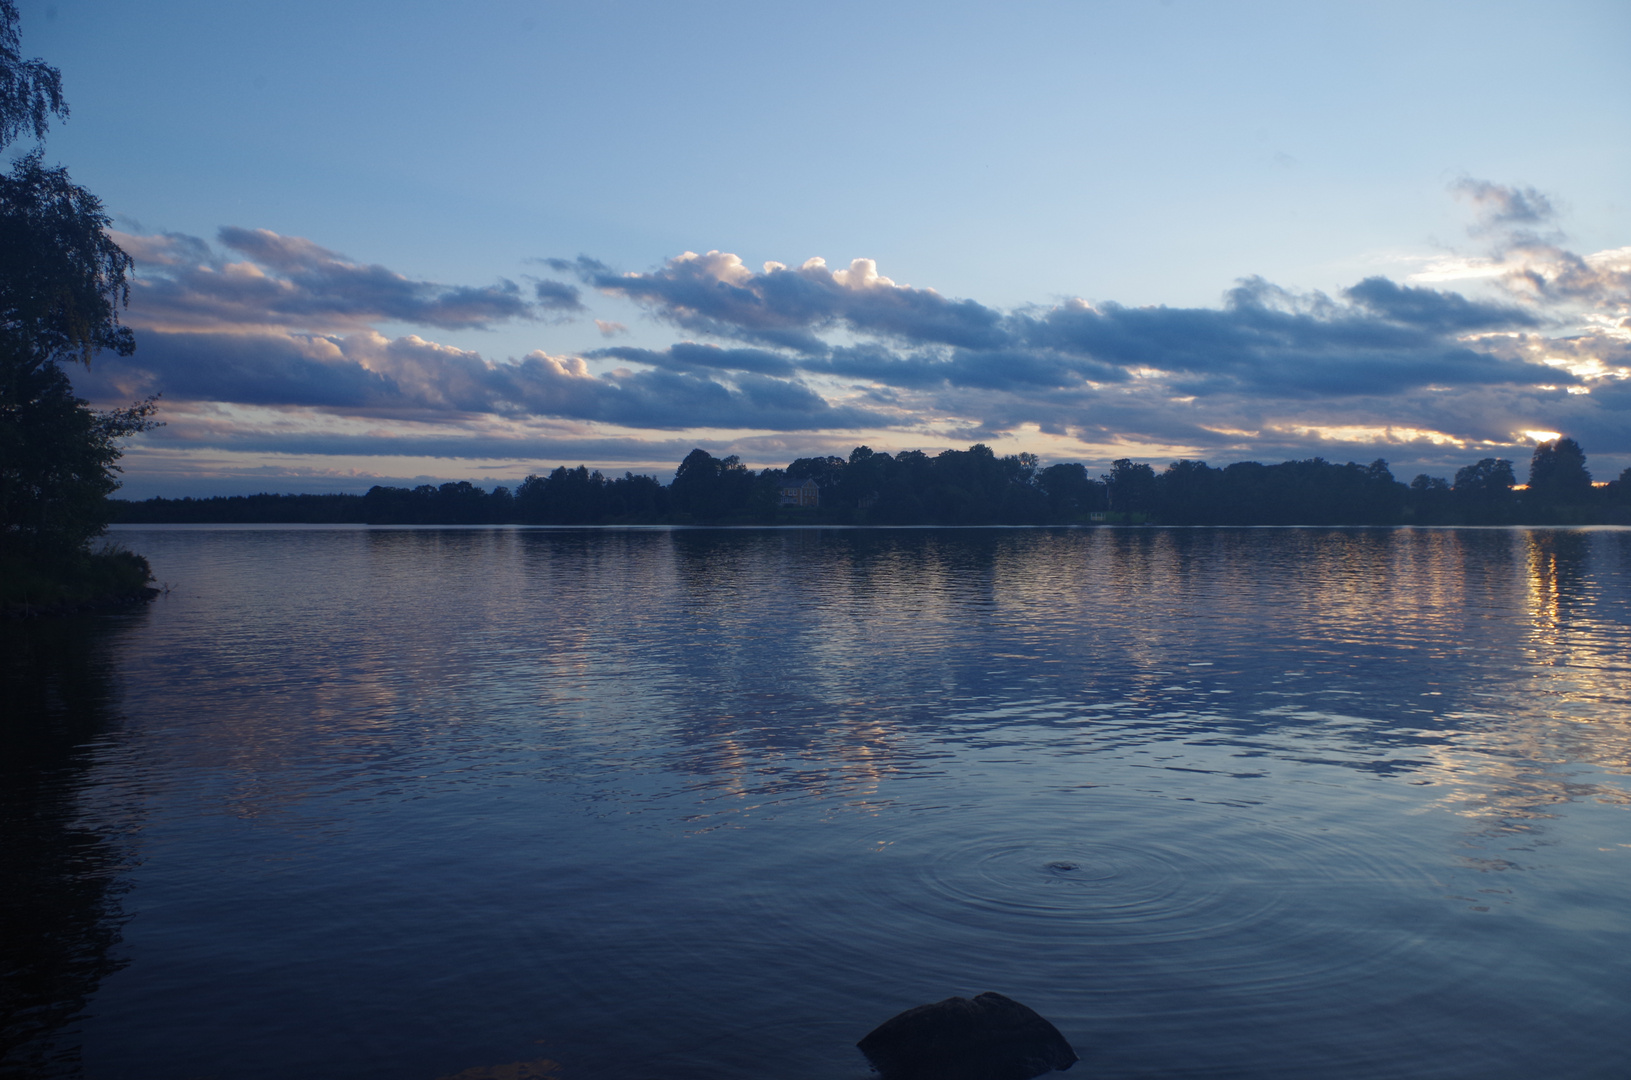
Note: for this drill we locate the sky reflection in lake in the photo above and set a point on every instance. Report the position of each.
(712, 803)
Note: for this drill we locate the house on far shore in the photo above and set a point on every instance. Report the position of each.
(807, 493)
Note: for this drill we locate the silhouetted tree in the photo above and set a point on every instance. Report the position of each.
(865, 481)
(712, 489)
(1190, 492)
(1071, 495)
(580, 497)
(62, 282)
(565, 497)
(1490, 476)
(1377, 497)
(634, 498)
(1131, 487)
(1309, 492)
(30, 90)
(1430, 499)
(1618, 496)
(57, 461)
(1483, 490)
(1557, 472)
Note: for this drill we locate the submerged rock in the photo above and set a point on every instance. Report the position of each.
(991, 1037)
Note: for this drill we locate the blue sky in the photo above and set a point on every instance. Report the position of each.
(386, 241)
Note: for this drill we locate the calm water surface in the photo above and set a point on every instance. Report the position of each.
(426, 803)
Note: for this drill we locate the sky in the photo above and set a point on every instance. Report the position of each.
(414, 242)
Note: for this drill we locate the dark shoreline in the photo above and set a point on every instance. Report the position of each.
(80, 582)
(222, 512)
(955, 487)
(104, 602)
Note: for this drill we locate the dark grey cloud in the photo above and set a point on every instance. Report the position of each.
(326, 283)
(1016, 367)
(1257, 345)
(557, 296)
(689, 356)
(671, 400)
(366, 374)
(1378, 337)
(247, 369)
(289, 281)
(454, 446)
(1430, 309)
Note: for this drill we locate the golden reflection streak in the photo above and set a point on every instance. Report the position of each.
(1512, 767)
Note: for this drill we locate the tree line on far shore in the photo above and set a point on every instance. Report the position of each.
(966, 487)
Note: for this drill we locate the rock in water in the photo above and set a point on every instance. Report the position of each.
(990, 1038)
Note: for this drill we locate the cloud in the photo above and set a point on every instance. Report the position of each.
(610, 329)
(1266, 342)
(1529, 261)
(244, 437)
(412, 378)
(787, 307)
(1379, 336)
(1548, 275)
(552, 386)
(1432, 310)
(557, 296)
(284, 281)
(1499, 206)
(248, 369)
(689, 356)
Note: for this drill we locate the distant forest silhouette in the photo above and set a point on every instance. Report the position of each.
(965, 487)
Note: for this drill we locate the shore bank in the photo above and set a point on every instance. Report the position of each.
(68, 585)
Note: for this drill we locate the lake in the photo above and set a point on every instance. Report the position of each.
(712, 803)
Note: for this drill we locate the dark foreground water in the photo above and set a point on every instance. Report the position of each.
(497, 803)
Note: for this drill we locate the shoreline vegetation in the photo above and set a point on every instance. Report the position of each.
(959, 487)
(80, 581)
